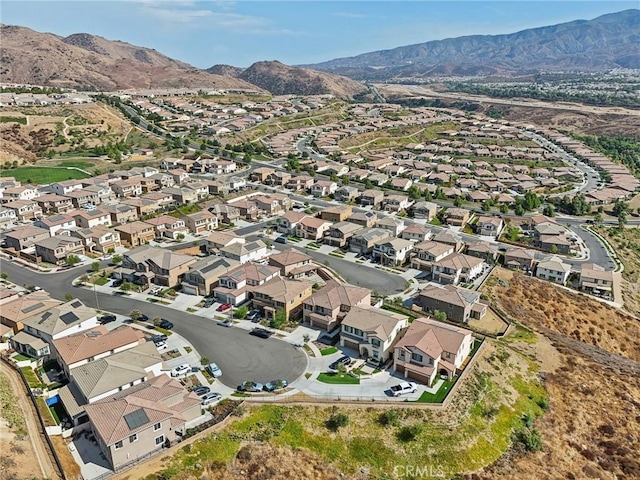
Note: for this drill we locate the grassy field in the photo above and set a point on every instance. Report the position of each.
(37, 175)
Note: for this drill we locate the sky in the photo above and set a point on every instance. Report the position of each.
(239, 33)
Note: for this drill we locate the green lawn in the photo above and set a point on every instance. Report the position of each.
(328, 351)
(440, 395)
(21, 357)
(101, 281)
(338, 379)
(77, 164)
(32, 378)
(37, 175)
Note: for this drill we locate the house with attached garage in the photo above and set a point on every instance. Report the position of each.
(312, 228)
(428, 253)
(202, 276)
(55, 223)
(430, 349)
(168, 227)
(416, 233)
(136, 233)
(236, 285)
(489, 226)
(52, 203)
(371, 332)
(456, 268)
(336, 213)
(595, 280)
(340, 233)
(145, 265)
(36, 338)
(56, 250)
(459, 304)
(293, 263)
(424, 210)
(98, 239)
(327, 307)
(519, 259)
(245, 252)
(24, 209)
(14, 312)
(20, 238)
(142, 420)
(393, 252)
(200, 222)
(91, 218)
(216, 240)
(281, 294)
(346, 194)
(364, 240)
(554, 270)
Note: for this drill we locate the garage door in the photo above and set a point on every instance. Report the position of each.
(400, 368)
(353, 345)
(420, 378)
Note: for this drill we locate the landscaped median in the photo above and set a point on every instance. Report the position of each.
(338, 378)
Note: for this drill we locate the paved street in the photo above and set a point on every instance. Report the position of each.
(233, 349)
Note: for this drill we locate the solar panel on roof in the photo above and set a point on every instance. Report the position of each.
(69, 317)
(44, 317)
(136, 419)
(33, 307)
(76, 304)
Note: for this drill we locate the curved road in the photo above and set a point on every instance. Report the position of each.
(240, 356)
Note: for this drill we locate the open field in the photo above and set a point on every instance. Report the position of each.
(42, 175)
(626, 243)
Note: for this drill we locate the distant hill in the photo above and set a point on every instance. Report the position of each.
(607, 42)
(82, 60)
(226, 70)
(281, 79)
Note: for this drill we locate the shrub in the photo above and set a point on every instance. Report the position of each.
(530, 439)
(241, 313)
(543, 403)
(527, 419)
(388, 417)
(337, 421)
(408, 433)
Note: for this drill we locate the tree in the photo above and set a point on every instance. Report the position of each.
(549, 210)
(278, 319)
(95, 267)
(156, 321)
(440, 316)
(485, 207)
(135, 315)
(337, 421)
(414, 192)
(597, 217)
(68, 297)
(553, 249)
(180, 236)
(240, 313)
(427, 195)
(341, 368)
(622, 219)
(519, 209)
(4, 275)
(306, 337)
(116, 259)
(458, 201)
(504, 208)
(72, 260)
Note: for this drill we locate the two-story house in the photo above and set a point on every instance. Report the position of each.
(394, 224)
(55, 223)
(20, 238)
(373, 198)
(136, 233)
(346, 194)
(7, 218)
(98, 239)
(52, 203)
(24, 209)
(91, 218)
(36, 338)
(393, 252)
(282, 295)
(244, 252)
(554, 270)
(293, 263)
(489, 226)
(336, 213)
(430, 349)
(519, 259)
(312, 228)
(288, 222)
(83, 197)
(120, 213)
(371, 332)
(14, 312)
(362, 242)
(65, 186)
(364, 219)
(340, 233)
(457, 217)
(428, 253)
(145, 264)
(327, 307)
(459, 304)
(595, 280)
(396, 203)
(416, 233)
(168, 227)
(203, 275)
(200, 222)
(127, 426)
(457, 267)
(56, 250)
(131, 187)
(323, 188)
(217, 240)
(237, 285)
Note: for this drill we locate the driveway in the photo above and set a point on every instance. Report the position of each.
(240, 356)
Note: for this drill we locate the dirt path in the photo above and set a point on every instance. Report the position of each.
(46, 467)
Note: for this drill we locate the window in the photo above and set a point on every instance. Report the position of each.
(160, 440)
(417, 357)
(157, 426)
(118, 445)
(375, 342)
(133, 438)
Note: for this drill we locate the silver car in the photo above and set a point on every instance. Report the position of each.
(209, 398)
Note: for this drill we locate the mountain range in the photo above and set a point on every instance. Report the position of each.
(604, 43)
(87, 61)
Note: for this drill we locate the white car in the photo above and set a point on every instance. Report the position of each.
(214, 370)
(180, 370)
(403, 388)
(161, 345)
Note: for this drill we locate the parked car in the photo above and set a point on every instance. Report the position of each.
(201, 390)
(209, 303)
(261, 332)
(209, 398)
(342, 360)
(227, 322)
(159, 338)
(181, 370)
(117, 282)
(166, 324)
(161, 345)
(281, 240)
(143, 318)
(250, 387)
(107, 319)
(214, 370)
(403, 388)
(275, 385)
(254, 315)
(224, 307)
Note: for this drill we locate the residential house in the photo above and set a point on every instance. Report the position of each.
(55, 223)
(346, 194)
(245, 252)
(21, 238)
(179, 176)
(371, 332)
(66, 186)
(327, 307)
(182, 195)
(428, 253)
(416, 233)
(489, 226)
(430, 349)
(217, 240)
(312, 228)
(145, 426)
(554, 244)
(278, 179)
(364, 219)
(450, 238)
(363, 241)
(99, 239)
(52, 203)
(288, 222)
(203, 275)
(136, 233)
(145, 264)
(282, 295)
(248, 209)
(131, 187)
(83, 197)
(300, 182)
(91, 218)
(337, 213)
(457, 267)
(459, 304)
(595, 280)
(394, 224)
(225, 213)
(373, 198)
(456, 216)
(7, 218)
(484, 250)
(56, 250)
(143, 206)
(519, 259)
(554, 270)
(200, 222)
(40, 329)
(340, 233)
(292, 263)
(393, 252)
(166, 226)
(261, 174)
(120, 213)
(237, 285)
(424, 210)
(81, 348)
(20, 192)
(14, 312)
(323, 188)
(24, 209)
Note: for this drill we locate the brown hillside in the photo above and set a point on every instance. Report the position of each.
(281, 79)
(83, 60)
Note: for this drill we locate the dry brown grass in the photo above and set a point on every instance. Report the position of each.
(69, 465)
